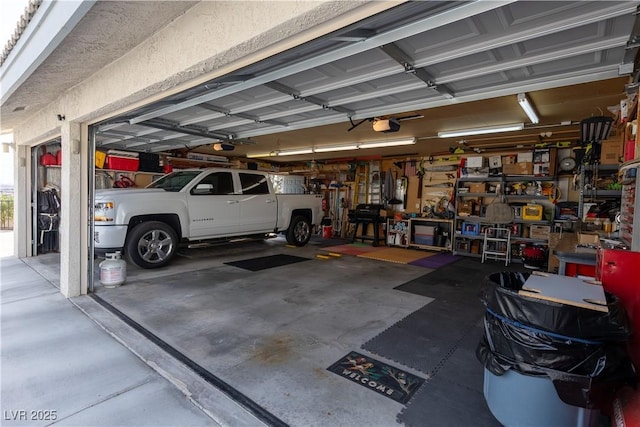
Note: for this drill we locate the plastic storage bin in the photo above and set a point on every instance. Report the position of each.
(515, 399)
(122, 160)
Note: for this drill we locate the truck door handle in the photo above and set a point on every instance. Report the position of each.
(270, 200)
(231, 202)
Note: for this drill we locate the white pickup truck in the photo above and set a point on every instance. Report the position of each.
(198, 205)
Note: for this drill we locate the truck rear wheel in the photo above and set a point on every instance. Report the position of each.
(151, 244)
(299, 231)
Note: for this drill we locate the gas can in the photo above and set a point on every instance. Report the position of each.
(113, 270)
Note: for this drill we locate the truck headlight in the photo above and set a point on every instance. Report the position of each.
(103, 212)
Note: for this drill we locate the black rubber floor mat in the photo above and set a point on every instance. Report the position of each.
(271, 261)
(439, 340)
(424, 338)
(466, 274)
(453, 395)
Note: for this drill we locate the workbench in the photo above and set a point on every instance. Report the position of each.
(568, 253)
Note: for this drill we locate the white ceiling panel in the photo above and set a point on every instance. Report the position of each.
(415, 57)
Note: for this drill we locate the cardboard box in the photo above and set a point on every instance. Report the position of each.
(465, 208)
(588, 239)
(544, 162)
(475, 162)
(509, 159)
(611, 151)
(553, 262)
(539, 232)
(525, 157)
(495, 162)
(478, 187)
(522, 168)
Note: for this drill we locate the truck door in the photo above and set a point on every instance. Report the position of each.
(258, 207)
(214, 208)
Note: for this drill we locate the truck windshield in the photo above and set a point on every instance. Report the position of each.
(175, 181)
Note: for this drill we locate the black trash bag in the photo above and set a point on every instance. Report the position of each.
(584, 391)
(500, 295)
(516, 343)
(582, 351)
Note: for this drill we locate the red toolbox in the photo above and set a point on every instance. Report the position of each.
(122, 160)
(617, 270)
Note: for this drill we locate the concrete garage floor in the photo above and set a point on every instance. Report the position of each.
(272, 334)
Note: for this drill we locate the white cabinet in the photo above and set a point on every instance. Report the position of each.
(424, 233)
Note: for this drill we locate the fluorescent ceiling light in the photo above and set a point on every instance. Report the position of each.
(528, 108)
(330, 148)
(327, 149)
(390, 143)
(294, 152)
(481, 131)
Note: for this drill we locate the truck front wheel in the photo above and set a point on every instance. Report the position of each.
(151, 244)
(299, 231)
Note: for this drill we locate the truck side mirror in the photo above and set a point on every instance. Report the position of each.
(203, 189)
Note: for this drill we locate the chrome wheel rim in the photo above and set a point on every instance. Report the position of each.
(155, 246)
(301, 231)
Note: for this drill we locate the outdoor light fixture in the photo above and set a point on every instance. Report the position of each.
(528, 108)
(481, 131)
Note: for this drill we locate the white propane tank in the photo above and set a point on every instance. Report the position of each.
(113, 270)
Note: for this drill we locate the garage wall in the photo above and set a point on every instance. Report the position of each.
(209, 40)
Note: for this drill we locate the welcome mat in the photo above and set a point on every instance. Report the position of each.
(386, 380)
(397, 255)
(262, 263)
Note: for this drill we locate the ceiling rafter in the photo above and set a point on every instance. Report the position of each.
(398, 55)
(279, 87)
(188, 130)
(243, 116)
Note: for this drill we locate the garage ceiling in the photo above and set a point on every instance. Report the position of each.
(444, 65)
